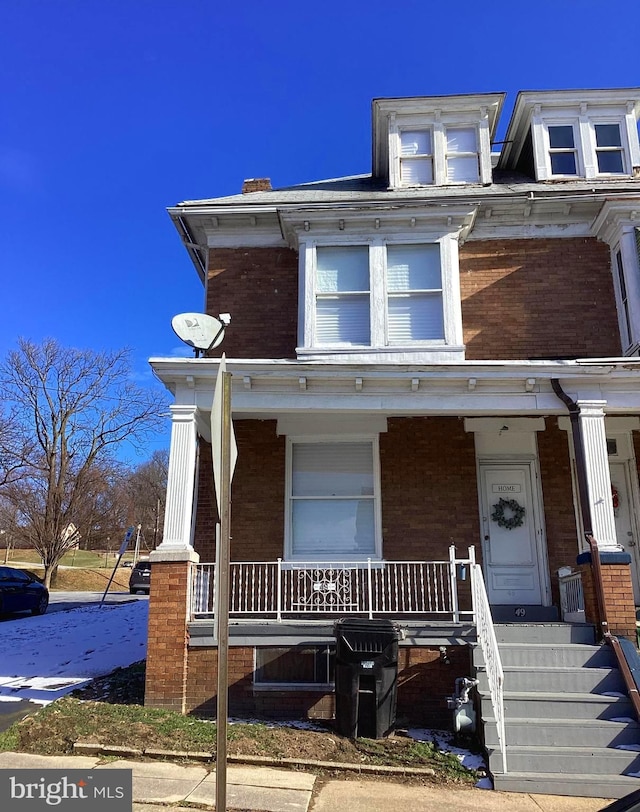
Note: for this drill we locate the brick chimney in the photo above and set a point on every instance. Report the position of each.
(256, 185)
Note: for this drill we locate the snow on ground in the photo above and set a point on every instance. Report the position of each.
(47, 656)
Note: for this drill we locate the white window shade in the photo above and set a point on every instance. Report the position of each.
(414, 302)
(416, 157)
(342, 268)
(342, 296)
(332, 469)
(415, 317)
(413, 267)
(462, 155)
(332, 500)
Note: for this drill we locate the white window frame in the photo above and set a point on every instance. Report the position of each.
(583, 123)
(450, 281)
(376, 555)
(438, 125)
(625, 261)
(577, 148)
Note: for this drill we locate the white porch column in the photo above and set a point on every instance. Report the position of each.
(597, 473)
(180, 482)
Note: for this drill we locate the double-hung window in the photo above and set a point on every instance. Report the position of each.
(609, 149)
(563, 155)
(416, 157)
(414, 294)
(381, 295)
(462, 155)
(333, 500)
(342, 295)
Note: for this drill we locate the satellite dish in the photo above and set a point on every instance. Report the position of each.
(199, 330)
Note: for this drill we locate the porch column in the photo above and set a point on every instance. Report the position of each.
(172, 561)
(180, 480)
(603, 525)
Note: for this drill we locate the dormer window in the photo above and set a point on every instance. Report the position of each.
(569, 134)
(416, 157)
(562, 150)
(609, 152)
(462, 155)
(435, 141)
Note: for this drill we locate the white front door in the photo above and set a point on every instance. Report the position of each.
(511, 531)
(626, 534)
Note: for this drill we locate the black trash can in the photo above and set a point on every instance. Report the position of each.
(366, 676)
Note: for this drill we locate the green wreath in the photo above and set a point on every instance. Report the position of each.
(515, 516)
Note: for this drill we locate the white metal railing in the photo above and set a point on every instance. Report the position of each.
(571, 596)
(489, 644)
(281, 589)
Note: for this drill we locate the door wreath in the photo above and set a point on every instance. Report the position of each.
(508, 513)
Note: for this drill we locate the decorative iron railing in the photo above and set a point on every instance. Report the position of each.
(489, 645)
(283, 589)
(571, 596)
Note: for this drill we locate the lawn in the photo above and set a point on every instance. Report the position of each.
(110, 712)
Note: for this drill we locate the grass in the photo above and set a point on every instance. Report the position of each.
(109, 711)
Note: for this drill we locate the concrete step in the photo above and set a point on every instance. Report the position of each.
(600, 761)
(540, 655)
(576, 785)
(557, 680)
(545, 633)
(563, 732)
(537, 705)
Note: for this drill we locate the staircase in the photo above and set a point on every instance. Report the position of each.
(566, 714)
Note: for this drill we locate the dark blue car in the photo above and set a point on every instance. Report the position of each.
(21, 591)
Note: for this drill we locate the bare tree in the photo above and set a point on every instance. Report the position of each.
(146, 488)
(73, 409)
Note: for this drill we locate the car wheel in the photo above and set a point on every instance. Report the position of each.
(42, 606)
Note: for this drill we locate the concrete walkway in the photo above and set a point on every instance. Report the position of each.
(266, 789)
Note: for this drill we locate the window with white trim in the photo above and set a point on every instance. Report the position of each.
(462, 155)
(584, 147)
(342, 295)
(563, 155)
(438, 155)
(382, 295)
(625, 318)
(333, 500)
(416, 157)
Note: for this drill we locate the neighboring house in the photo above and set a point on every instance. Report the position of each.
(442, 353)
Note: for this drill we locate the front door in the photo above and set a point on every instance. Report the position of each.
(626, 534)
(512, 535)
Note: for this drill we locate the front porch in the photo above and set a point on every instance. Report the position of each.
(319, 590)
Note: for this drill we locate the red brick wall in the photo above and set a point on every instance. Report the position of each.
(537, 299)
(166, 670)
(259, 287)
(424, 682)
(429, 488)
(618, 598)
(257, 495)
(557, 494)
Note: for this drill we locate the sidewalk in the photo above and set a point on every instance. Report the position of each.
(267, 789)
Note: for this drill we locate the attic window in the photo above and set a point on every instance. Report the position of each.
(416, 157)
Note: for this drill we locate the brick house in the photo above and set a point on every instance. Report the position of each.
(441, 355)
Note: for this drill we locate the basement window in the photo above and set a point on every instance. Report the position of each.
(298, 666)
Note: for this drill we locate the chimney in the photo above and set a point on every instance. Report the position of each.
(256, 185)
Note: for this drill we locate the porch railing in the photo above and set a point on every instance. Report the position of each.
(489, 645)
(281, 589)
(571, 596)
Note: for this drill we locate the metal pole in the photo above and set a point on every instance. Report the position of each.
(136, 551)
(222, 596)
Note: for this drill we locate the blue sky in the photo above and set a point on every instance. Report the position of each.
(112, 110)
